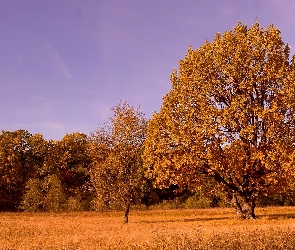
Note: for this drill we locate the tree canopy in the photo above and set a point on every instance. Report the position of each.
(117, 147)
(229, 116)
(21, 153)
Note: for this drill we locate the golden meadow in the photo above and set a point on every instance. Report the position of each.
(215, 228)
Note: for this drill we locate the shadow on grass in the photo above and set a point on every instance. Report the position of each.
(277, 216)
(185, 220)
(268, 216)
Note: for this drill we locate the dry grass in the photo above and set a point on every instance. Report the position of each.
(155, 229)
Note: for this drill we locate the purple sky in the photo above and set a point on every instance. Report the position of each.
(65, 63)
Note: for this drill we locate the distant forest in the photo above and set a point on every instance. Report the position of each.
(40, 175)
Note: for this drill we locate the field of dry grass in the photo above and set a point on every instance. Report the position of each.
(151, 229)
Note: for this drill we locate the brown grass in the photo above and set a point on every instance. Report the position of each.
(153, 229)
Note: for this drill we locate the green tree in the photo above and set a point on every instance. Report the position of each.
(229, 117)
(55, 195)
(32, 200)
(116, 149)
(47, 194)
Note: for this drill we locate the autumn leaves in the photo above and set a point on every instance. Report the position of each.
(228, 122)
(229, 116)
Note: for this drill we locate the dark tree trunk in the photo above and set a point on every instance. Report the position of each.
(244, 207)
(248, 208)
(237, 205)
(127, 209)
(244, 203)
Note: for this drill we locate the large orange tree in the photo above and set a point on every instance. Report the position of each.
(229, 117)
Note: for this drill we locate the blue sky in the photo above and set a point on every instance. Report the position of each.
(65, 63)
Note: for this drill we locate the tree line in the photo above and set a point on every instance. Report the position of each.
(226, 129)
(38, 175)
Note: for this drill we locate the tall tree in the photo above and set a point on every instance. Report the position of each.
(20, 156)
(229, 116)
(74, 162)
(116, 150)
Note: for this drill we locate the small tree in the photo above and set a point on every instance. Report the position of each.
(55, 194)
(32, 200)
(44, 195)
(116, 150)
(229, 116)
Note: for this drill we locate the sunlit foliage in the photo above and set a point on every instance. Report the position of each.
(44, 195)
(229, 117)
(116, 151)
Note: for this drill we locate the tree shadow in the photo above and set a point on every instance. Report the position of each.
(273, 216)
(277, 216)
(184, 220)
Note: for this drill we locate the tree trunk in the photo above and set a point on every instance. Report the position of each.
(127, 209)
(248, 208)
(245, 207)
(237, 206)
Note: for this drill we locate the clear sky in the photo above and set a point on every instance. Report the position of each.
(65, 63)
